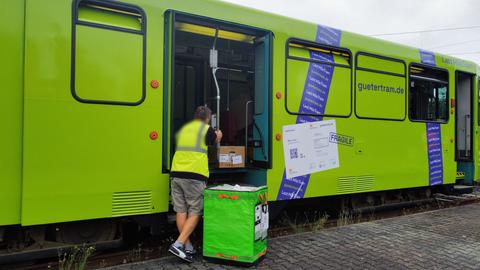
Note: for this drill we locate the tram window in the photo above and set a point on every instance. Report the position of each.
(380, 87)
(314, 73)
(102, 71)
(428, 94)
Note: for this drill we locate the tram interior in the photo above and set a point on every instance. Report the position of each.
(463, 125)
(240, 74)
(464, 116)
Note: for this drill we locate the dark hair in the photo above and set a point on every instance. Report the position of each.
(202, 113)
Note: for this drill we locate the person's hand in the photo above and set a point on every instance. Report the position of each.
(219, 134)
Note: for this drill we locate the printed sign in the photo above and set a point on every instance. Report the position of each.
(308, 149)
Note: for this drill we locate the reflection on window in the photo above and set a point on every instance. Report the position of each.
(316, 72)
(428, 95)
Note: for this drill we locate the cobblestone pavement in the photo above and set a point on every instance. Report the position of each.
(442, 239)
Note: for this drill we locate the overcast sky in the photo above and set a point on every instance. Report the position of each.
(370, 17)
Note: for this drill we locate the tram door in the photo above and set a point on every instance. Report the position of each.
(476, 129)
(464, 124)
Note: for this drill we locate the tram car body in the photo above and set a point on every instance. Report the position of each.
(94, 91)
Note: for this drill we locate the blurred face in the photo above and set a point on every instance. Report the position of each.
(207, 120)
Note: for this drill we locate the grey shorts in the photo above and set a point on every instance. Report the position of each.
(187, 195)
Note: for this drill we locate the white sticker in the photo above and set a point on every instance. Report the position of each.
(224, 158)
(261, 221)
(237, 159)
(258, 222)
(214, 121)
(264, 221)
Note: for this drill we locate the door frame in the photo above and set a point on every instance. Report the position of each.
(169, 75)
(472, 135)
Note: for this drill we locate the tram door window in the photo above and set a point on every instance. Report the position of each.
(241, 61)
(464, 139)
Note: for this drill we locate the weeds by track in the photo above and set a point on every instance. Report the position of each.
(85, 257)
(304, 222)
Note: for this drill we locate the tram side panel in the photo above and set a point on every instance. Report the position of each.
(11, 100)
(388, 150)
(88, 152)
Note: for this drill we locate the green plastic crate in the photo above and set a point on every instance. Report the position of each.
(235, 224)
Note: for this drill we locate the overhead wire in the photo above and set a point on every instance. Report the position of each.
(427, 31)
(464, 53)
(440, 30)
(454, 44)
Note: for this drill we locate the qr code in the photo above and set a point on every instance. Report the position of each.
(293, 153)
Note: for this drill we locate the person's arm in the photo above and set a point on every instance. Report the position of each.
(219, 135)
(213, 136)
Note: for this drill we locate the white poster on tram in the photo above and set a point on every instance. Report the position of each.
(308, 149)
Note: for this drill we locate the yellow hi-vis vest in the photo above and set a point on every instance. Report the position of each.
(191, 154)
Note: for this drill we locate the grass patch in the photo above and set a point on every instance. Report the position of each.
(76, 258)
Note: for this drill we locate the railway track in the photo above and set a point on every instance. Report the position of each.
(286, 226)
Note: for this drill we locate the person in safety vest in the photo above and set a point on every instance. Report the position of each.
(189, 175)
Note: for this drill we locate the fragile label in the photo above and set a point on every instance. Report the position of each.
(340, 139)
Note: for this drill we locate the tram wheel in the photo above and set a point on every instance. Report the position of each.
(88, 231)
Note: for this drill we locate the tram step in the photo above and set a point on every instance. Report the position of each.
(462, 189)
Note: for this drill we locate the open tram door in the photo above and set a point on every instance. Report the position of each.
(227, 67)
(476, 145)
(464, 137)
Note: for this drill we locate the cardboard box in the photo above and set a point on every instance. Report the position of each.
(228, 156)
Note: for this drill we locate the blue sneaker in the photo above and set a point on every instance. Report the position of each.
(180, 253)
(190, 252)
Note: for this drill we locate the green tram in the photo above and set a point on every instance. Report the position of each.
(94, 91)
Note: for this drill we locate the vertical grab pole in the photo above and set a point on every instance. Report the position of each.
(214, 66)
(246, 128)
(467, 135)
(214, 71)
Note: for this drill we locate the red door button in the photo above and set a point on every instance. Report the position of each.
(153, 135)
(278, 137)
(154, 83)
(278, 95)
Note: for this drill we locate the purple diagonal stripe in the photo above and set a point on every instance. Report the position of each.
(434, 137)
(427, 57)
(314, 101)
(435, 158)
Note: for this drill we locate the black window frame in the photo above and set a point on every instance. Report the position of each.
(426, 66)
(359, 53)
(76, 21)
(320, 46)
